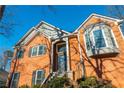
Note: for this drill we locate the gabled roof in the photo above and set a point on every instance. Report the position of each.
(99, 16)
(36, 28)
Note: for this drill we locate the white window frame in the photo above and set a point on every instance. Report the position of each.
(37, 50)
(36, 76)
(96, 29)
(91, 35)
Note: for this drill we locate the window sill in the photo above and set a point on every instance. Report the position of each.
(103, 52)
(37, 56)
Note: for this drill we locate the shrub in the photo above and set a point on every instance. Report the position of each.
(24, 86)
(58, 82)
(36, 86)
(92, 82)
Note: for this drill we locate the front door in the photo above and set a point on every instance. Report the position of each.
(61, 58)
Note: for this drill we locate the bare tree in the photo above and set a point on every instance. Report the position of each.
(116, 11)
(4, 59)
(2, 8)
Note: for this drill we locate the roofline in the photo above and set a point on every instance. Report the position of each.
(51, 26)
(30, 30)
(36, 27)
(97, 15)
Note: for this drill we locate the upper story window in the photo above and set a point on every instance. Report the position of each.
(15, 80)
(37, 50)
(38, 77)
(99, 38)
(21, 53)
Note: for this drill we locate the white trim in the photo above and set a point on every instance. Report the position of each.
(97, 15)
(85, 41)
(36, 29)
(104, 36)
(94, 42)
(52, 47)
(43, 22)
(111, 31)
(67, 52)
(30, 30)
(37, 46)
(35, 78)
(37, 75)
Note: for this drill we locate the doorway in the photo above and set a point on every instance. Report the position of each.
(60, 58)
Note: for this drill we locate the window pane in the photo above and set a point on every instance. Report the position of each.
(87, 42)
(20, 54)
(39, 73)
(99, 40)
(41, 50)
(33, 78)
(40, 77)
(15, 80)
(34, 51)
(16, 76)
(38, 82)
(61, 48)
(109, 37)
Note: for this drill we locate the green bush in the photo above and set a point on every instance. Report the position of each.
(36, 86)
(24, 86)
(92, 82)
(58, 82)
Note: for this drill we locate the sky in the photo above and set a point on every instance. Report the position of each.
(22, 18)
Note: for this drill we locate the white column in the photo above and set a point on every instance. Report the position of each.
(67, 49)
(52, 56)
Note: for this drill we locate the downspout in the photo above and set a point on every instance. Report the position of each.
(81, 58)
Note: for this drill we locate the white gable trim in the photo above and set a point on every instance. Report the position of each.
(98, 16)
(37, 29)
(32, 29)
(43, 22)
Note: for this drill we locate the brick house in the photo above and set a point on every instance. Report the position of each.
(95, 48)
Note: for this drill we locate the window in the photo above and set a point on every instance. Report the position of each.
(15, 80)
(34, 51)
(87, 41)
(20, 53)
(38, 50)
(38, 77)
(41, 50)
(99, 39)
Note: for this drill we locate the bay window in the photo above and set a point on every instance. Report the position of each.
(100, 40)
